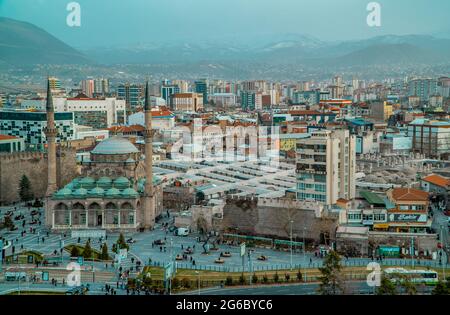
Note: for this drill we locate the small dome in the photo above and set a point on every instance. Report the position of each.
(130, 160)
(80, 193)
(96, 192)
(115, 145)
(63, 193)
(104, 182)
(112, 193)
(129, 193)
(121, 182)
(87, 182)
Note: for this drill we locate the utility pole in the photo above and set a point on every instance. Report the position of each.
(291, 222)
(444, 262)
(412, 251)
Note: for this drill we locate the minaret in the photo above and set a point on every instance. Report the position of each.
(149, 199)
(50, 133)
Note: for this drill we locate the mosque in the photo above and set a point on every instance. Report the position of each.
(113, 192)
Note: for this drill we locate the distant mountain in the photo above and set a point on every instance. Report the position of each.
(23, 43)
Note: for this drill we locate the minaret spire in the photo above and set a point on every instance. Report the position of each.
(50, 133)
(149, 202)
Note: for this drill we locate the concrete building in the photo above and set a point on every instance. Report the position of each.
(162, 119)
(430, 137)
(326, 166)
(10, 144)
(30, 125)
(131, 93)
(191, 102)
(95, 112)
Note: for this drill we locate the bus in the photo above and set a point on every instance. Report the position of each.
(429, 277)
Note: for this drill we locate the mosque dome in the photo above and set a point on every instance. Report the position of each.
(104, 182)
(129, 193)
(112, 193)
(115, 145)
(80, 193)
(121, 182)
(63, 193)
(96, 192)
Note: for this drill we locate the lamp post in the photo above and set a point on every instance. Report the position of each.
(444, 263)
(198, 281)
(291, 222)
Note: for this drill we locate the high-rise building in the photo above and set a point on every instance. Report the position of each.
(55, 84)
(191, 102)
(87, 86)
(251, 100)
(423, 88)
(201, 86)
(326, 166)
(430, 137)
(101, 86)
(167, 90)
(131, 93)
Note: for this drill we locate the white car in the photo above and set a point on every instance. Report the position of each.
(182, 232)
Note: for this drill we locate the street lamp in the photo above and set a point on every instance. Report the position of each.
(444, 263)
(291, 222)
(198, 281)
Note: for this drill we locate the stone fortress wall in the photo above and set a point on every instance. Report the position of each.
(34, 166)
(271, 217)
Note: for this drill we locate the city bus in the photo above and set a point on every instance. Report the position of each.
(429, 277)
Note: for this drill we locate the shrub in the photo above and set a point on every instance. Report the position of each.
(276, 278)
(287, 277)
(186, 283)
(299, 276)
(74, 252)
(175, 283)
(241, 279)
(229, 281)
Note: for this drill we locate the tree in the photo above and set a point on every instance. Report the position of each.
(229, 281)
(74, 252)
(254, 278)
(276, 277)
(441, 288)
(105, 255)
(87, 252)
(122, 244)
(8, 223)
(331, 281)
(409, 287)
(25, 191)
(241, 279)
(387, 287)
(299, 276)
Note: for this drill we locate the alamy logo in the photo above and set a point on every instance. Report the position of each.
(73, 279)
(374, 17)
(74, 17)
(374, 278)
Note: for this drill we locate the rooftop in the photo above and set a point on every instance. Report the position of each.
(438, 180)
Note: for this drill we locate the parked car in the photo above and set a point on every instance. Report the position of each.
(182, 232)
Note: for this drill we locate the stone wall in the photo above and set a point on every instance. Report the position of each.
(34, 166)
(271, 218)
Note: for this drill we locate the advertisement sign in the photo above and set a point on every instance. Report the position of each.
(242, 249)
(168, 271)
(407, 217)
(89, 233)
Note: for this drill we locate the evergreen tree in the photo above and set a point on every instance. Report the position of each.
(442, 288)
(387, 287)
(121, 243)
(331, 281)
(25, 191)
(87, 252)
(74, 252)
(105, 255)
(8, 223)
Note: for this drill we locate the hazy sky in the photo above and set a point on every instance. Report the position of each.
(117, 22)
